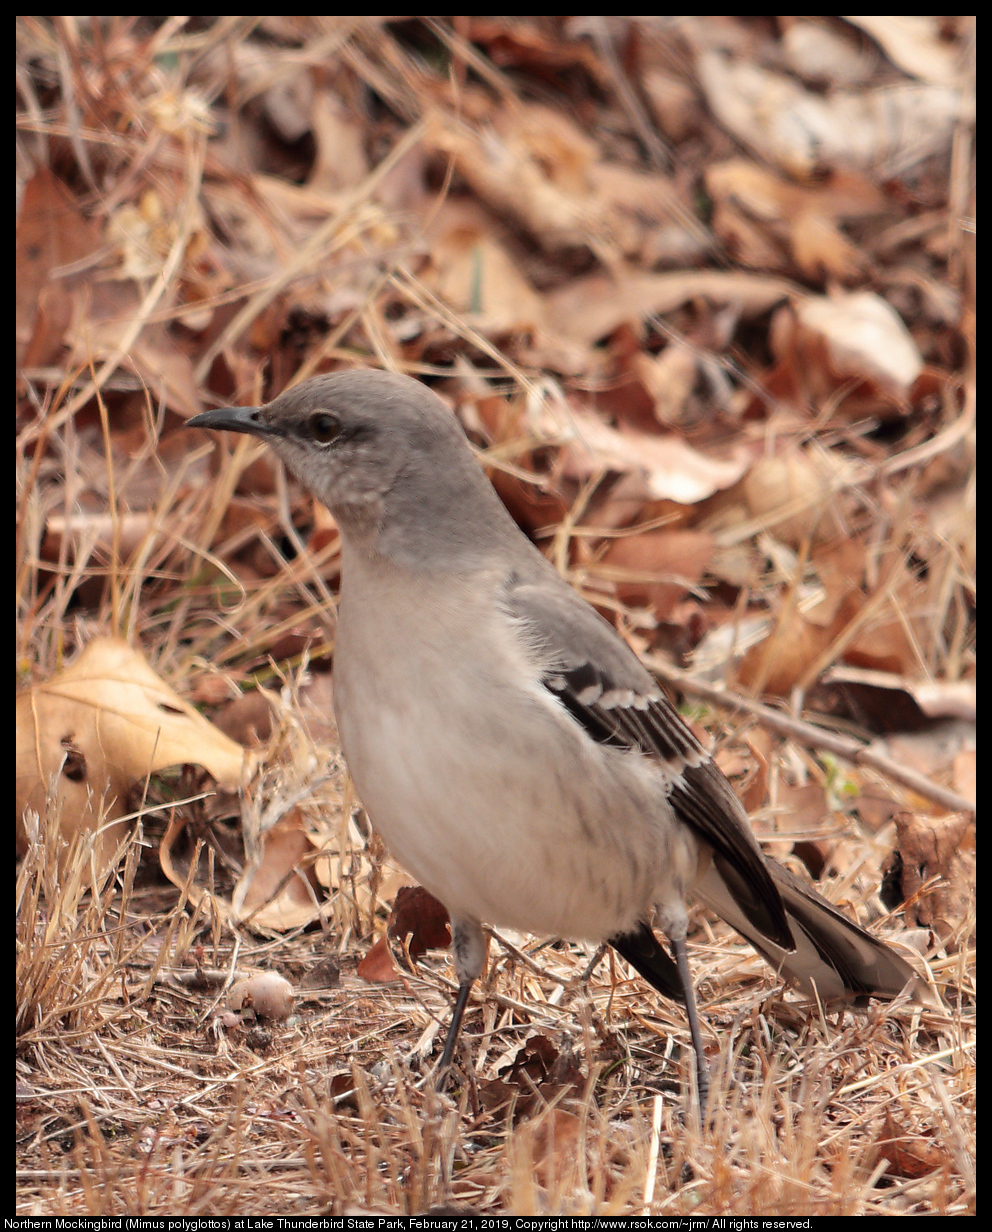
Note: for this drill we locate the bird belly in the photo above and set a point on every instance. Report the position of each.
(508, 813)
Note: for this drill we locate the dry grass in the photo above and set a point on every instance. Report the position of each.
(131, 1098)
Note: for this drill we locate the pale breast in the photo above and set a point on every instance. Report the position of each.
(485, 790)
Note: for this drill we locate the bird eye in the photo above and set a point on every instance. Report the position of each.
(323, 428)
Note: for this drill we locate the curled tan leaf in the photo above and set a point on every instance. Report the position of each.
(104, 723)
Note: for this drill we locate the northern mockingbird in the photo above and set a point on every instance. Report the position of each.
(512, 751)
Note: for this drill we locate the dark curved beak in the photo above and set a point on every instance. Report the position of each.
(233, 419)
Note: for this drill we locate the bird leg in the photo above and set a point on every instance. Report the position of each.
(702, 1069)
(464, 988)
(468, 947)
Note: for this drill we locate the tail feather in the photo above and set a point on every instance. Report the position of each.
(834, 959)
(645, 953)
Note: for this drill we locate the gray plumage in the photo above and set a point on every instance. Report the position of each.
(513, 752)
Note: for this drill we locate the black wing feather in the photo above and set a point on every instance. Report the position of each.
(603, 685)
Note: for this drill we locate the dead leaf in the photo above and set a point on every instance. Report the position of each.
(341, 162)
(675, 104)
(754, 789)
(850, 353)
(827, 55)
(667, 467)
(656, 568)
(101, 725)
(966, 774)
(418, 915)
(915, 45)
(801, 807)
(644, 216)
(784, 658)
(862, 338)
(910, 1155)
(279, 887)
(554, 1143)
(804, 219)
(52, 234)
(378, 966)
(512, 43)
(669, 378)
(476, 275)
(530, 163)
(247, 718)
(806, 133)
(798, 495)
(587, 309)
(942, 847)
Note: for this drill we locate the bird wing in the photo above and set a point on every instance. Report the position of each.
(603, 685)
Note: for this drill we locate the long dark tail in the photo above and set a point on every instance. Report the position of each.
(644, 952)
(833, 955)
